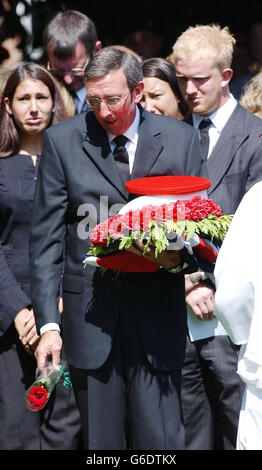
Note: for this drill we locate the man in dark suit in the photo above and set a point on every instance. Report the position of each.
(70, 41)
(124, 336)
(232, 147)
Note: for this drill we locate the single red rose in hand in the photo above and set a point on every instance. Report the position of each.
(38, 396)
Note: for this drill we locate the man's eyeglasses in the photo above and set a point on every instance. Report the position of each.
(72, 71)
(111, 101)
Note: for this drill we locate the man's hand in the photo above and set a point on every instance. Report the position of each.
(201, 299)
(50, 345)
(168, 258)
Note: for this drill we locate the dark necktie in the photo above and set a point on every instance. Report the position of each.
(204, 137)
(121, 157)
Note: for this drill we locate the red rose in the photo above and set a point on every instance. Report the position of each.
(170, 211)
(99, 234)
(115, 227)
(158, 214)
(147, 215)
(134, 220)
(38, 396)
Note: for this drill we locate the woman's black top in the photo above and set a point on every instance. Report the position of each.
(18, 176)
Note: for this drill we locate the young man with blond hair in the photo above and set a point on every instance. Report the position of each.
(231, 141)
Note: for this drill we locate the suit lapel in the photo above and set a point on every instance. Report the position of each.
(232, 137)
(97, 147)
(149, 146)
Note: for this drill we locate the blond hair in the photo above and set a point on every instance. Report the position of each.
(251, 97)
(206, 41)
(67, 98)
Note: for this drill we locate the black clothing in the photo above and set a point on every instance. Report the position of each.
(57, 425)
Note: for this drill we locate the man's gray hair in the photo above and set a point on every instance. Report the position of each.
(111, 58)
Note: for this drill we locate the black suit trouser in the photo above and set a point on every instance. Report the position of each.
(211, 394)
(126, 404)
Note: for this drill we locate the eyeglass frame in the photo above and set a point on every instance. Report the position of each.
(72, 71)
(101, 100)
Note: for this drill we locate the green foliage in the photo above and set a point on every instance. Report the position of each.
(157, 235)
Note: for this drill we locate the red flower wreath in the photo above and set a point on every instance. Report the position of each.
(115, 227)
(152, 225)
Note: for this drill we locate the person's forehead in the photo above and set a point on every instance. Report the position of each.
(155, 84)
(30, 85)
(113, 83)
(194, 66)
(78, 55)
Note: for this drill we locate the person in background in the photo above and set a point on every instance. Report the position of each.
(254, 64)
(251, 98)
(161, 93)
(231, 144)
(70, 41)
(238, 306)
(146, 42)
(128, 51)
(29, 104)
(4, 74)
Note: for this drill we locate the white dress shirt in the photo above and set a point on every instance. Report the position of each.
(199, 329)
(219, 119)
(132, 135)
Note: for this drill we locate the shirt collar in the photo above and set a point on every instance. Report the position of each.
(81, 94)
(132, 131)
(219, 117)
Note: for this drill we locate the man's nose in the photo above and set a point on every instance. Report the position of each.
(190, 87)
(104, 110)
(67, 77)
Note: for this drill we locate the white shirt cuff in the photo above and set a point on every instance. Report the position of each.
(49, 327)
(203, 275)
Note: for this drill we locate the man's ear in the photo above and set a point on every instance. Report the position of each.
(98, 46)
(226, 76)
(138, 92)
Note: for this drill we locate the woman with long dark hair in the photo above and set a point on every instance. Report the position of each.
(29, 104)
(161, 91)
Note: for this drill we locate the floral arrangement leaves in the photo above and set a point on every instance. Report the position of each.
(157, 225)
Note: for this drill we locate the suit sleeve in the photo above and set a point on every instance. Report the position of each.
(12, 298)
(47, 236)
(195, 164)
(255, 167)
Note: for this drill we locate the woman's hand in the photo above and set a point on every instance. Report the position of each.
(26, 329)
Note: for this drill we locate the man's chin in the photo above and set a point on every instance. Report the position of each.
(74, 88)
(196, 108)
